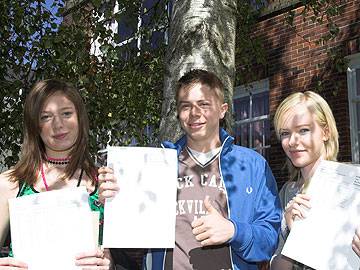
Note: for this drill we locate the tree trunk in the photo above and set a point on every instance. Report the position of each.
(202, 36)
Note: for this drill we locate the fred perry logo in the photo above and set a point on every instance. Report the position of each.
(249, 190)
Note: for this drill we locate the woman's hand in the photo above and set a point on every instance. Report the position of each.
(295, 208)
(108, 184)
(8, 263)
(356, 242)
(97, 259)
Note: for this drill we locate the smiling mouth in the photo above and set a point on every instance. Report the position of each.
(297, 152)
(60, 136)
(196, 124)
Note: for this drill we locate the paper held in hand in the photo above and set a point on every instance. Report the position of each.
(323, 239)
(143, 213)
(49, 228)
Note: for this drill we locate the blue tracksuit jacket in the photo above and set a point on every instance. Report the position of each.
(254, 206)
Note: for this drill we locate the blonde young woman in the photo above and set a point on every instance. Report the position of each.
(55, 155)
(307, 130)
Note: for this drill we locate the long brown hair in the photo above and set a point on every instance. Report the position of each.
(33, 148)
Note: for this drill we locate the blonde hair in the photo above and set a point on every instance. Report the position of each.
(323, 115)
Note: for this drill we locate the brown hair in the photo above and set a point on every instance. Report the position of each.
(206, 78)
(33, 149)
(200, 76)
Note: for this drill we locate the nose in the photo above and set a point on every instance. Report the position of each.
(57, 121)
(195, 110)
(293, 140)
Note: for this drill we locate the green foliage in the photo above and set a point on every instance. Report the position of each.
(336, 63)
(325, 13)
(122, 87)
(249, 47)
(322, 12)
(250, 50)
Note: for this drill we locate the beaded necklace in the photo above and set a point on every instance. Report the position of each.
(58, 161)
(44, 179)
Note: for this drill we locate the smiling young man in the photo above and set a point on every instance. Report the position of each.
(228, 211)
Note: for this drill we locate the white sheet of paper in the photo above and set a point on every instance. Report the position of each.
(49, 228)
(323, 239)
(143, 213)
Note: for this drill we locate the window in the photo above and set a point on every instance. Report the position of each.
(353, 81)
(138, 27)
(152, 10)
(144, 32)
(252, 119)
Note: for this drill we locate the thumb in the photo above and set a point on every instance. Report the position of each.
(208, 205)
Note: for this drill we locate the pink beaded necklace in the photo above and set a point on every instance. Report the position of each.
(43, 177)
(47, 186)
(55, 161)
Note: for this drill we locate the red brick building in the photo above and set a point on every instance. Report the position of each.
(296, 62)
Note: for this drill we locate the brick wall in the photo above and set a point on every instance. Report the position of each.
(296, 63)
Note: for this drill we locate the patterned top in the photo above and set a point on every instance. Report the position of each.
(195, 182)
(94, 203)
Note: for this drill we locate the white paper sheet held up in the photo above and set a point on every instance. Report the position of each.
(143, 213)
(48, 229)
(323, 239)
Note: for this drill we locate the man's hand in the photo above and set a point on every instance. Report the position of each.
(212, 229)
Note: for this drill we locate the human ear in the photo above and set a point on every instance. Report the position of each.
(223, 109)
(326, 134)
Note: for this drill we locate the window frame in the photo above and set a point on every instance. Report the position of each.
(137, 36)
(353, 100)
(246, 90)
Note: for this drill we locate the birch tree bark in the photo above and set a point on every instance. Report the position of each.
(202, 36)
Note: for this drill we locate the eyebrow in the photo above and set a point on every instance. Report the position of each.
(196, 101)
(61, 109)
(303, 125)
(183, 102)
(297, 126)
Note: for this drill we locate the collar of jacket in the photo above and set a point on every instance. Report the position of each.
(225, 138)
